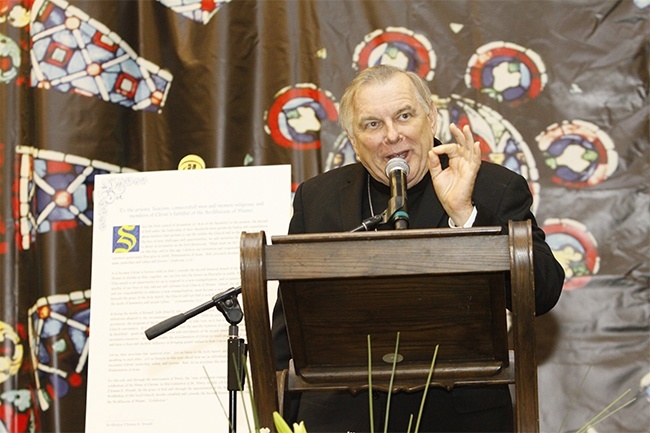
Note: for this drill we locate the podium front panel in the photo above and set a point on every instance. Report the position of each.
(338, 315)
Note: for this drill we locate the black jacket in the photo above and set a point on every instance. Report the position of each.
(334, 202)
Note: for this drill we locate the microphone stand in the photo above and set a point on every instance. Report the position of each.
(395, 213)
(397, 204)
(372, 223)
(396, 171)
(227, 303)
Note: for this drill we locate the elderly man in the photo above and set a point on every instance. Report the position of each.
(387, 113)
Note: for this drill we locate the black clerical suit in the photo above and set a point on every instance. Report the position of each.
(337, 201)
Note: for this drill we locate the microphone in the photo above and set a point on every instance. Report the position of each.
(397, 169)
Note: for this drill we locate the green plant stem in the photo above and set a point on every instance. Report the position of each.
(256, 420)
(216, 394)
(613, 412)
(372, 421)
(390, 385)
(597, 419)
(426, 388)
(573, 400)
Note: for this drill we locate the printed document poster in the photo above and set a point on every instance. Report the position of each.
(165, 243)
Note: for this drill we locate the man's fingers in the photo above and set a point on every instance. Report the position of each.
(435, 168)
(466, 146)
(467, 131)
(445, 148)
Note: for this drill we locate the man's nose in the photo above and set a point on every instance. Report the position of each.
(392, 134)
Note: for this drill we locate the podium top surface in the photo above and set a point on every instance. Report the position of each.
(385, 234)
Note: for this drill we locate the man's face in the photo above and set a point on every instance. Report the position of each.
(388, 121)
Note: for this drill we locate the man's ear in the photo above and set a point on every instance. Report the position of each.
(433, 118)
(352, 142)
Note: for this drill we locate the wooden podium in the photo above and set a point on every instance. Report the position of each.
(441, 287)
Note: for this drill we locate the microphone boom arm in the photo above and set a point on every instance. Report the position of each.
(372, 223)
(226, 302)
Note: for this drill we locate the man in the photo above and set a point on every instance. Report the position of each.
(386, 113)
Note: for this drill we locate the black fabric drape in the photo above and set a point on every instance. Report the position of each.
(226, 75)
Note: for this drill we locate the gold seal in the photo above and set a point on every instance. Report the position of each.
(191, 162)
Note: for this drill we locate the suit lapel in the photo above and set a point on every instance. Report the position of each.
(351, 195)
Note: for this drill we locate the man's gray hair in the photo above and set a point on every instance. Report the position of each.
(378, 75)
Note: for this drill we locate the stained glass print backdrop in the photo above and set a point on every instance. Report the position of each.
(554, 90)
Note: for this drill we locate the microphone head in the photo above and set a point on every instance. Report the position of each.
(397, 164)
